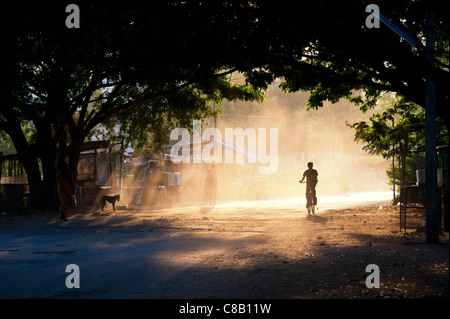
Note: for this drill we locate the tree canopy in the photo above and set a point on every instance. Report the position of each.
(328, 50)
(399, 130)
(138, 62)
(133, 62)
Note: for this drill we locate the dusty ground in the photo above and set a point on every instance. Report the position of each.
(238, 250)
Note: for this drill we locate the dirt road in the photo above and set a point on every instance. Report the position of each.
(233, 250)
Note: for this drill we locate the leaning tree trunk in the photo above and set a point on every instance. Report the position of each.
(29, 159)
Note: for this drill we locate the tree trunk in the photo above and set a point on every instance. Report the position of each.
(61, 151)
(74, 155)
(27, 156)
(47, 147)
(29, 159)
(49, 172)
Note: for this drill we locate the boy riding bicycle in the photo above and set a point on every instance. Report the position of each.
(311, 181)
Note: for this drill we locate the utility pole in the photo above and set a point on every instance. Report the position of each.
(431, 198)
(393, 168)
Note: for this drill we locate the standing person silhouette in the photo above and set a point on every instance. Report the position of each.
(65, 188)
(211, 184)
(311, 181)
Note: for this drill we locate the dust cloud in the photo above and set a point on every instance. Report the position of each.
(320, 136)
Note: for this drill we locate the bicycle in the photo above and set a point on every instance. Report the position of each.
(311, 200)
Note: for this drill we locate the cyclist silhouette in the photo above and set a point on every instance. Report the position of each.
(311, 181)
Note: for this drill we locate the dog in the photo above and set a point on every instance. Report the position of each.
(110, 199)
